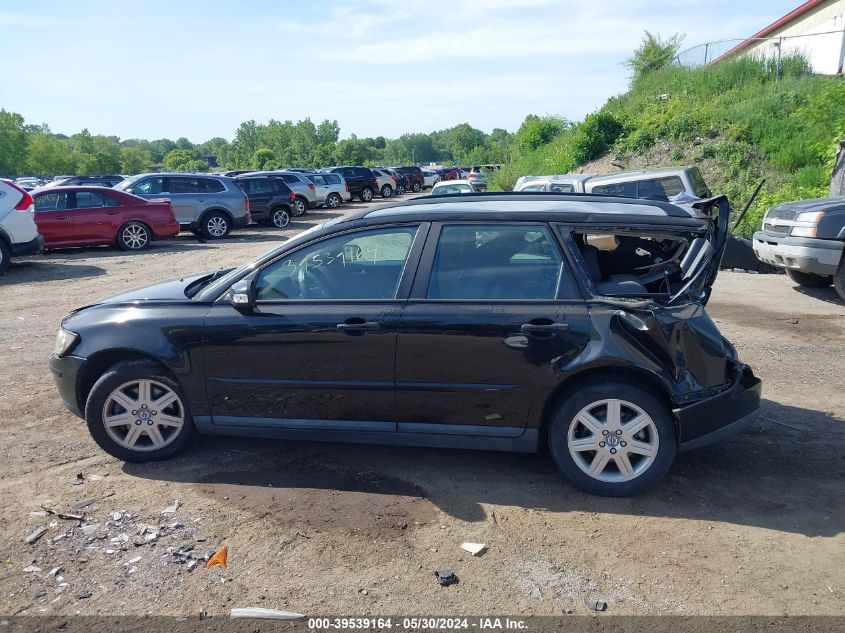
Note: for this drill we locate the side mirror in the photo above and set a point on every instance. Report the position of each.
(242, 294)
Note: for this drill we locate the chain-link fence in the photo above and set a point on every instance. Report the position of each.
(823, 51)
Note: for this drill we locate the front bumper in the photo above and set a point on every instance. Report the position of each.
(721, 416)
(65, 370)
(805, 254)
(32, 247)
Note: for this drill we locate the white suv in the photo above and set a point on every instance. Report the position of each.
(18, 232)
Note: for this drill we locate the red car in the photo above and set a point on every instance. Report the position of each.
(91, 216)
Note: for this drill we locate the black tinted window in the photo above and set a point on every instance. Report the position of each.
(89, 200)
(670, 186)
(259, 186)
(359, 265)
(51, 202)
(184, 185)
(628, 189)
(212, 185)
(333, 179)
(495, 262)
(318, 179)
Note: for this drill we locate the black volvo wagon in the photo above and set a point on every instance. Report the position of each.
(493, 321)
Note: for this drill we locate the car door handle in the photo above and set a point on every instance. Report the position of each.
(543, 328)
(111, 212)
(62, 217)
(358, 325)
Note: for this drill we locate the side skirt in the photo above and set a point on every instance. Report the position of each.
(476, 438)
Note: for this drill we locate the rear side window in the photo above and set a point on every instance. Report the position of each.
(317, 179)
(112, 202)
(495, 262)
(184, 185)
(212, 185)
(628, 189)
(698, 183)
(669, 186)
(88, 200)
(534, 188)
(333, 179)
(561, 188)
(290, 178)
(51, 202)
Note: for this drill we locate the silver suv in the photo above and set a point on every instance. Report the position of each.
(331, 189)
(202, 203)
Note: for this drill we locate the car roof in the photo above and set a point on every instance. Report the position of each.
(182, 174)
(533, 206)
(637, 175)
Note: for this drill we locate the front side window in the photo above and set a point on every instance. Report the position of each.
(698, 183)
(89, 200)
(333, 179)
(495, 262)
(534, 188)
(359, 265)
(51, 202)
(147, 186)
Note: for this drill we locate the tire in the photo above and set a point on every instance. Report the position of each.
(570, 439)
(417, 187)
(300, 207)
(333, 201)
(386, 191)
(134, 236)
(838, 278)
(5, 256)
(809, 280)
(280, 217)
(136, 441)
(366, 194)
(400, 190)
(215, 225)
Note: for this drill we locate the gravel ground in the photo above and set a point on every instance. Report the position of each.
(750, 526)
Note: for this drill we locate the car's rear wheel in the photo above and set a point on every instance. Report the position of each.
(280, 217)
(5, 257)
(400, 190)
(809, 280)
(137, 412)
(386, 191)
(333, 201)
(134, 236)
(300, 207)
(417, 187)
(612, 438)
(215, 225)
(366, 194)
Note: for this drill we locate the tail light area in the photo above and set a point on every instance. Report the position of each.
(26, 200)
(246, 204)
(292, 196)
(311, 186)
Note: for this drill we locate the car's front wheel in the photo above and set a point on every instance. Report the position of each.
(809, 280)
(366, 194)
(300, 207)
(612, 438)
(137, 412)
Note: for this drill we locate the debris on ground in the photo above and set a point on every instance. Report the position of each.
(56, 571)
(203, 614)
(79, 505)
(32, 569)
(267, 614)
(219, 558)
(37, 534)
(446, 577)
(79, 479)
(171, 509)
(63, 515)
(84, 594)
(476, 549)
(597, 605)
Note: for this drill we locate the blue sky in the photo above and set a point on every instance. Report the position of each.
(198, 69)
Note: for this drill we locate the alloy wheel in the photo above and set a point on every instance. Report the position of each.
(281, 218)
(217, 226)
(135, 237)
(143, 415)
(333, 201)
(613, 440)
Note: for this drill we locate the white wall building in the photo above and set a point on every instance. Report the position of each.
(816, 30)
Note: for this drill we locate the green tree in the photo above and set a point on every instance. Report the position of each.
(160, 148)
(264, 158)
(13, 144)
(135, 160)
(653, 54)
(536, 131)
(183, 143)
(187, 160)
(48, 156)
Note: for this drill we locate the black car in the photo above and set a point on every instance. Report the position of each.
(90, 181)
(361, 181)
(493, 321)
(415, 175)
(270, 199)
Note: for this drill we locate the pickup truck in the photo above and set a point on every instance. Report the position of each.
(806, 238)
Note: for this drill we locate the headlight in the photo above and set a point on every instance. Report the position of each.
(804, 231)
(64, 342)
(810, 216)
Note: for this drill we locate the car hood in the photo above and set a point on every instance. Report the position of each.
(791, 210)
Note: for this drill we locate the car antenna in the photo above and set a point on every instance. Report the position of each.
(748, 205)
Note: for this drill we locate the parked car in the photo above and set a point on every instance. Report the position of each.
(332, 189)
(566, 183)
(385, 182)
(451, 187)
(207, 204)
(416, 175)
(18, 232)
(236, 172)
(28, 184)
(430, 178)
(87, 181)
(361, 181)
(449, 173)
(805, 238)
(520, 294)
(403, 181)
(271, 201)
(94, 216)
(477, 178)
(304, 190)
(666, 183)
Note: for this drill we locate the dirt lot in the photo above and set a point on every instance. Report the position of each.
(752, 526)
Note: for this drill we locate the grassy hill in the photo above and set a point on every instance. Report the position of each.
(733, 120)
